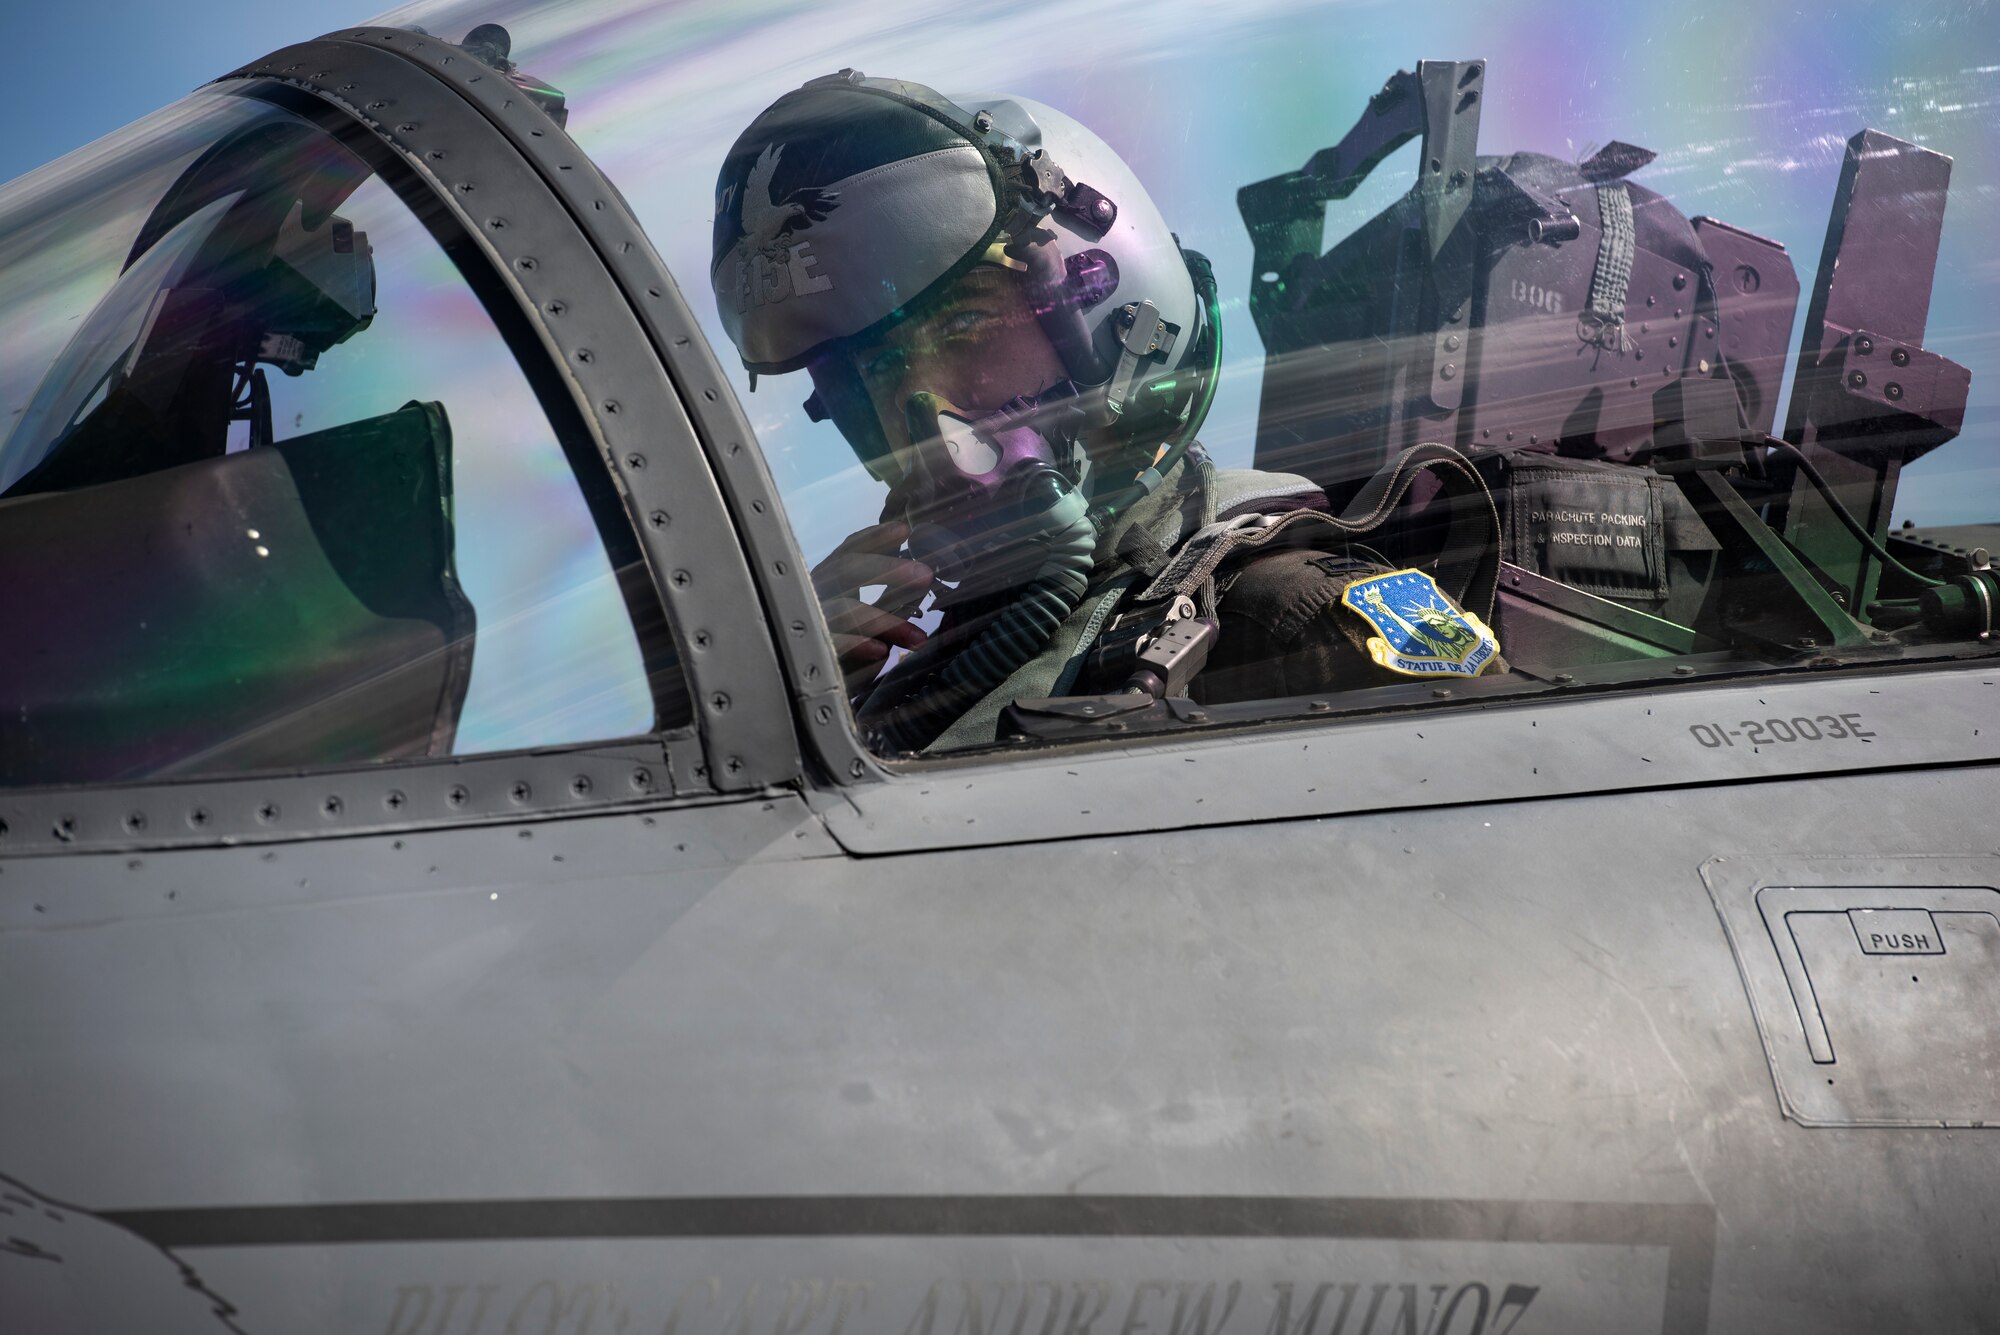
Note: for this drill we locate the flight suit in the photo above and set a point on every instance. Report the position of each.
(1283, 630)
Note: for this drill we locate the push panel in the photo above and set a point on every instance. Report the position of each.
(1878, 998)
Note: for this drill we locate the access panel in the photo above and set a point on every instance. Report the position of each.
(1876, 985)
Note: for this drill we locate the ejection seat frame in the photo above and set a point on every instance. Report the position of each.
(1793, 576)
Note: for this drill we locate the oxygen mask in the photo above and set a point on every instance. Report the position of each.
(991, 498)
(994, 510)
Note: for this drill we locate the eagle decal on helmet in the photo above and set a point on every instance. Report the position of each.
(771, 264)
(768, 222)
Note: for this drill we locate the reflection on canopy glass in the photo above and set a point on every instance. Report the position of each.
(1262, 357)
(1509, 373)
(282, 478)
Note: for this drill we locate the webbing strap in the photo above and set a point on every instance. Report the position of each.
(1468, 567)
(1617, 242)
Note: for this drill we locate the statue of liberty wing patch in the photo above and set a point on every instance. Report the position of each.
(1419, 632)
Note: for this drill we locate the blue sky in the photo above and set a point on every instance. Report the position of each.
(78, 70)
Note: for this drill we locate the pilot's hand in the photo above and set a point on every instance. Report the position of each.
(865, 632)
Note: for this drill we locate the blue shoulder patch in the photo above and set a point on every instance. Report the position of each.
(1417, 630)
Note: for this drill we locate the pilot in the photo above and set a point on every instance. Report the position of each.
(997, 319)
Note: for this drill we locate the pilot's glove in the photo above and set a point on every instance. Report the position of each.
(864, 632)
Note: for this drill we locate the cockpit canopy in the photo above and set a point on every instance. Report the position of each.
(260, 499)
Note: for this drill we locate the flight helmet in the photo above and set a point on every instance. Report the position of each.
(854, 203)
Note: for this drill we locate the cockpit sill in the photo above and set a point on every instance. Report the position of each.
(1182, 718)
(651, 774)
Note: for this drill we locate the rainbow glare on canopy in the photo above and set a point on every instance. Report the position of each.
(1749, 108)
(555, 655)
(556, 659)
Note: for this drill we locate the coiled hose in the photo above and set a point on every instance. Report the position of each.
(1017, 633)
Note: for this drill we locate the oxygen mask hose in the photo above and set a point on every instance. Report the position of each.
(1010, 521)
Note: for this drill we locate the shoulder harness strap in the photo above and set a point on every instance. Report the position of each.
(1468, 567)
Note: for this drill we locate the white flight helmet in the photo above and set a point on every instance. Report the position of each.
(852, 203)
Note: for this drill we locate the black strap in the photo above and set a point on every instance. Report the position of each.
(1617, 245)
(1468, 567)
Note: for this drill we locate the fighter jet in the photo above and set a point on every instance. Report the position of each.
(450, 883)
